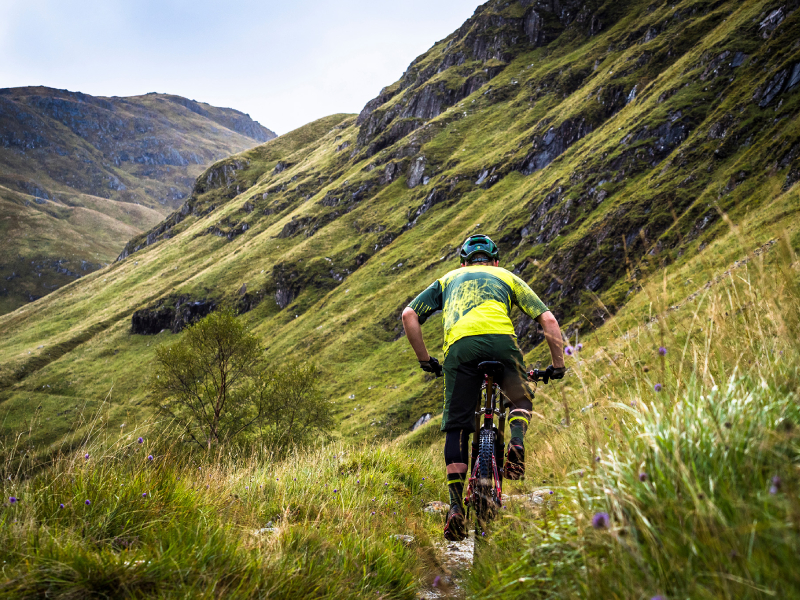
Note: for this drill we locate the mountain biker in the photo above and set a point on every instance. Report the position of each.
(476, 300)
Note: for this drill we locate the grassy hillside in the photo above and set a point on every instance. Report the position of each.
(688, 491)
(596, 145)
(105, 168)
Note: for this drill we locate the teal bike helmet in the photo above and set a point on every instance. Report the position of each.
(479, 244)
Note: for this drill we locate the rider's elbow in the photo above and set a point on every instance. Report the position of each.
(547, 319)
(409, 315)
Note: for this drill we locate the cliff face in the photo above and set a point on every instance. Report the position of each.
(98, 169)
(595, 142)
(466, 60)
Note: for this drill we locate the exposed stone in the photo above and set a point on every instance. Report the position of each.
(795, 77)
(550, 145)
(771, 23)
(421, 421)
(436, 507)
(773, 88)
(415, 172)
(170, 313)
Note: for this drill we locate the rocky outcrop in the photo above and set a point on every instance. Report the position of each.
(171, 314)
(490, 37)
(545, 148)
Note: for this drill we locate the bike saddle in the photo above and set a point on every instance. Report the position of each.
(492, 368)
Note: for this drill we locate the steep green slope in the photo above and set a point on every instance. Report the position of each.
(126, 161)
(44, 244)
(596, 142)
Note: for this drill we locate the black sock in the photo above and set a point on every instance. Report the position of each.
(518, 423)
(456, 452)
(455, 485)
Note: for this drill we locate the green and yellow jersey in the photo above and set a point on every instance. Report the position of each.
(477, 300)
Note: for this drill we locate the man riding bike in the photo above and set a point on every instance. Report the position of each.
(476, 300)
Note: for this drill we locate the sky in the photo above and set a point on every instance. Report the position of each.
(284, 63)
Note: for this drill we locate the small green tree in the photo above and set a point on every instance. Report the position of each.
(294, 411)
(210, 380)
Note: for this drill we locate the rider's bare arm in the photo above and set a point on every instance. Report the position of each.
(414, 333)
(552, 333)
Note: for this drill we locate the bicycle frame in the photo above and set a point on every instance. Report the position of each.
(489, 408)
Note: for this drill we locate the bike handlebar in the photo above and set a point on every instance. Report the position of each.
(536, 375)
(546, 375)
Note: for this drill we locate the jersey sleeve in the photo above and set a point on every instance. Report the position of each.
(526, 298)
(428, 302)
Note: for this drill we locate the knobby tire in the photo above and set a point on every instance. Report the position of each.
(486, 500)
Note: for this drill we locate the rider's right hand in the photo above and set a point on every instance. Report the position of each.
(431, 366)
(555, 372)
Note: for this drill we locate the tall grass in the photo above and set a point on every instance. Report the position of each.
(154, 519)
(673, 473)
(680, 479)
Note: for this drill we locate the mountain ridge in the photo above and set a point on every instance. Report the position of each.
(594, 159)
(127, 158)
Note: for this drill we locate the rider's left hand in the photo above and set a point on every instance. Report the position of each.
(555, 372)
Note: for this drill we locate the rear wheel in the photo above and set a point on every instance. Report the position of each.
(485, 494)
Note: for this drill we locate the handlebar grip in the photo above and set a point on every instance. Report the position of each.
(537, 375)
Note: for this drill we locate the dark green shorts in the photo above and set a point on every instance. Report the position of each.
(462, 379)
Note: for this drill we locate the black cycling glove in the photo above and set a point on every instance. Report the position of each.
(431, 366)
(555, 373)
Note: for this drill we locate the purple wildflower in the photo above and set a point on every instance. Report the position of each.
(88, 502)
(247, 488)
(596, 459)
(600, 520)
(776, 481)
(658, 387)
(579, 347)
(580, 473)
(12, 500)
(144, 494)
(150, 457)
(373, 512)
(60, 506)
(386, 483)
(140, 440)
(568, 350)
(335, 491)
(642, 476)
(86, 456)
(662, 351)
(658, 598)
(436, 581)
(551, 492)
(773, 489)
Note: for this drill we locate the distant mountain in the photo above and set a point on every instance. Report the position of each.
(108, 168)
(598, 143)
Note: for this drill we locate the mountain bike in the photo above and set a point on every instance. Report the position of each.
(485, 489)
